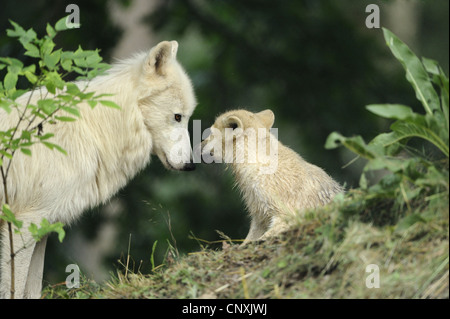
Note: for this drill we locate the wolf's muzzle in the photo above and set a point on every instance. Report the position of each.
(188, 167)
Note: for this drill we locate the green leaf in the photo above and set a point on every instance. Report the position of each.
(60, 149)
(26, 151)
(51, 60)
(27, 37)
(66, 60)
(29, 73)
(47, 47)
(80, 53)
(79, 71)
(51, 87)
(16, 94)
(17, 32)
(6, 154)
(65, 118)
(6, 105)
(50, 31)
(10, 81)
(66, 64)
(92, 103)
(46, 136)
(67, 55)
(81, 62)
(31, 77)
(93, 60)
(14, 64)
(431, 66)
(404, 130)
(391, 111)
(415, 72)
(61, 25)
(48, 106)
(33, 229)
(53, 81)
(32, 50)
(355, 144)
(85, 96)
(26, 135)
(89, 59)
(72, 89)
(46, 228)
(60, 231)
(71, 110)
(388, 141)
(26, 144)
(54, 146)
(9, 217)
(110, 104)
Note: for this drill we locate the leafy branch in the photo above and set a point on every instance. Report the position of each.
(408, 175)
(57, 101)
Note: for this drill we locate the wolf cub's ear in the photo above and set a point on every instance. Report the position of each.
(267, 117)
(159, 56)
(233, 122)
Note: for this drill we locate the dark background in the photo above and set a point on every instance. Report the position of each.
(314, 63)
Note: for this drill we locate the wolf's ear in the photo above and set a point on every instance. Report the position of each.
(233, 122)
(159, 55)
(267, 117)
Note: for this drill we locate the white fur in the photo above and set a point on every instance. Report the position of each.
(106, 148)
(273, 187)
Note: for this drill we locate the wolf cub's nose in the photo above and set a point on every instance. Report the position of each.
(189, 167)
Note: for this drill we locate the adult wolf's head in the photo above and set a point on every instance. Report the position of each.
(167, 101)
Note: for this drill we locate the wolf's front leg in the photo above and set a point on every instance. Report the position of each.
(24, 245)
(33, 286)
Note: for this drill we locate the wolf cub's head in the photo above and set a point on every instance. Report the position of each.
(166, 99)
(241, 136)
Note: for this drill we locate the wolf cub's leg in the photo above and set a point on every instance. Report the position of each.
(257, 229)
(277, 226)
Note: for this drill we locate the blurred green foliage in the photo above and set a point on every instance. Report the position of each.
(97, 31)
(313, 62)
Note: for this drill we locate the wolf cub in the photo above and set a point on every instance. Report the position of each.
(275, 181)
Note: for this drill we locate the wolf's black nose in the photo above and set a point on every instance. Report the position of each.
(188, 167)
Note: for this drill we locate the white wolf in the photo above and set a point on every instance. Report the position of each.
(106, 148)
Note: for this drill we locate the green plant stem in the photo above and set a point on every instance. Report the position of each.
(10, 234)
(11, 243)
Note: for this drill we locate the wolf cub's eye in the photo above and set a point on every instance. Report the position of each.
(178, 117)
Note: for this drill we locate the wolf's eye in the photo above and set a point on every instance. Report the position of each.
(178, 117)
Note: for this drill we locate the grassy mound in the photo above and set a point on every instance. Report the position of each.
(325, 255)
